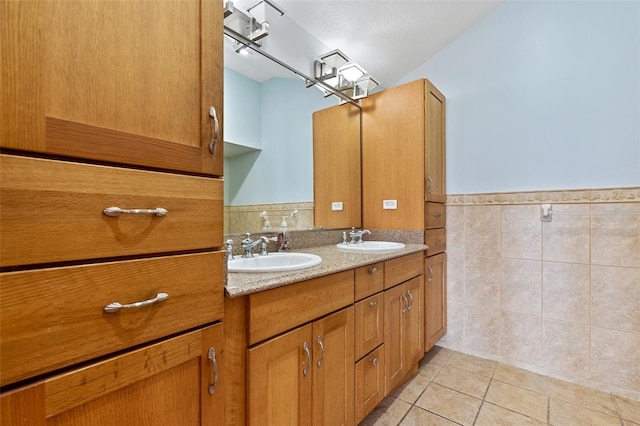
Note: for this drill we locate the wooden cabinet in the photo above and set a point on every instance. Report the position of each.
(124, 82)
(172, 382)
(403, 338)
(336, 167)
(305, 376)
(111, 212)
(403, 139)
(435, 317)
(369, 382)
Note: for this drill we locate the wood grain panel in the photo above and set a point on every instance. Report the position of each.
(336, 166)
(435, 311)
(57, 313)
(280, 309)
(436, 216)
(402, 268)
(53, 211)
(369, 280)
(369, 383)
(435, 153)
(369, 324)
(436, 240)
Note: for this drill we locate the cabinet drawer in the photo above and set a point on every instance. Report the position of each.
(51, 318)
(52, 211)
(402, 268)
(369, 383)
(273, 311)
(369, 280)
(436, 240)
(369, 324)
(436, 215)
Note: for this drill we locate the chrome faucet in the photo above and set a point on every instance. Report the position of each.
(356, 236)
(248, 244)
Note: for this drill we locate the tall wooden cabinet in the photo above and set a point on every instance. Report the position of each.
(111, 212)
(336, 167)
(404, 177)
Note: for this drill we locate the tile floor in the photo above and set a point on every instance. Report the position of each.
(455, 388)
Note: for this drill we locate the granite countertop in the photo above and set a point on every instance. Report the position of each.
(333, 260)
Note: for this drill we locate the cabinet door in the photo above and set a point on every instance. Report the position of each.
(404, 344)
(369, 324)
(369, 382)
(435, 161)
(435, 299)
(279, 375)
(333, 369)
(336, 167)
(169, 383)
(110, 81)
(393, 157)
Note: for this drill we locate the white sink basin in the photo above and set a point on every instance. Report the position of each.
(371, 246)
(274, 262)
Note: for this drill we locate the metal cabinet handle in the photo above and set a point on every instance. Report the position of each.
(373, 304)
(406, 303)
(117, 306)
(411, 302)
(437, 214)
(374, 361)
(305, 370)
(117, 211)
(214, 362)
(373, 270)
(430, 276)
(322, 349)
(216, 130)
(429, 184)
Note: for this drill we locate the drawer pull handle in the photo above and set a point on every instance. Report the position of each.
(374, 361)
(305, 370)
(373, 270)
(214, 362)
(117, 211)
(437, 215)
(437, 241)
(114, 307)
(373, 304)
(322, 349)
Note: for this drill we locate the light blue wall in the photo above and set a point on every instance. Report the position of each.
(542, 95)
(282, 171)
(241, 109)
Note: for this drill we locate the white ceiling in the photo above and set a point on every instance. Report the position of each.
(389, 38)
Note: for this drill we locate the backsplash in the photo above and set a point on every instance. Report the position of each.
(241, 219)
(561, 298)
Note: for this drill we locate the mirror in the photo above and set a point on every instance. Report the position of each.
(268, 135)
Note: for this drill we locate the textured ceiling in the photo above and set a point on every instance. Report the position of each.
(390, 38)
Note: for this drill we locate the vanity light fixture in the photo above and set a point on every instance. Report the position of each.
(253, 24)
(338, 71)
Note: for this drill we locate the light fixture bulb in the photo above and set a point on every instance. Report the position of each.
(352, 71)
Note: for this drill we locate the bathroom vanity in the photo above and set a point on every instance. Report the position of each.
(325, 343)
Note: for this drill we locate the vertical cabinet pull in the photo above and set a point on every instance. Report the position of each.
(406, 303)
(429, 184)
(411, 301)
(214, 362)
(322, 349)
(430, 276)
(216, 130)
(305, 370)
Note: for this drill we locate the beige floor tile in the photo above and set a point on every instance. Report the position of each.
(411, 390)
(521, 378)
(581, 395)
(628, 423)
(463, 381)
(448, 403)
(437, 356)
(419, 417)
(388, 413)
(523, 401)
(563, 413)
(628, 408)
(472, 363)
(492, 415)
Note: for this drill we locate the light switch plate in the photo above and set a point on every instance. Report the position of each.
(336, 205)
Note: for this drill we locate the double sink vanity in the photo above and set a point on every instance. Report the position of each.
(325, 342)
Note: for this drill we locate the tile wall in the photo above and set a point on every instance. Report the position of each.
(241, 219)
(560, 298)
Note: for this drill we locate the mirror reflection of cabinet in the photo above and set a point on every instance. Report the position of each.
(336, 167)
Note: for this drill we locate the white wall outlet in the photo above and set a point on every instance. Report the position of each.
(336, 205)
(390, 204)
